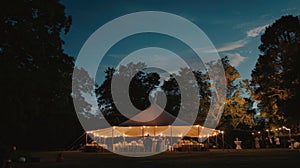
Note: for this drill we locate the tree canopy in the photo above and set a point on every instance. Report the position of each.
(275, 78)
(238, 112)
(35, 75)
(238, 108)
(140, 87)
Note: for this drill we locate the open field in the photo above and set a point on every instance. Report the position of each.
(263, 158)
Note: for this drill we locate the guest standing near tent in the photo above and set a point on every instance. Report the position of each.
(148, 144)
(159, 144)
(257, 145)
(277, 142)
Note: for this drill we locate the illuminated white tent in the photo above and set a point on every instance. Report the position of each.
(132, 136)
(161, 124)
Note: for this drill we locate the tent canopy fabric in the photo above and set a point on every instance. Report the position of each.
(153, 116)
(154, 121)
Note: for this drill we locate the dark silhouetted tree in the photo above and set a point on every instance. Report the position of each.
(140, 87)
(35, 75)
(275, 79)
(172, 91)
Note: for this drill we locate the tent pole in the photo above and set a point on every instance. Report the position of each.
(112, 138)
(217, 139)
(86, 138)
(208, 141)
(171, 137)
(200, 140)
(223, 139)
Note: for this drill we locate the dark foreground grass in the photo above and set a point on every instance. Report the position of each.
(263, 158)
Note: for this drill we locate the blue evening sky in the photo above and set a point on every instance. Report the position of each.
(234, 26)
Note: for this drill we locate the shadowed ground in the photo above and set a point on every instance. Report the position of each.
(263, 158)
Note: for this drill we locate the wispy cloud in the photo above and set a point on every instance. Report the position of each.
(227, 46)
(232, 45)
(235, 59)
(237, 44)
(256, 31)
(288, 10)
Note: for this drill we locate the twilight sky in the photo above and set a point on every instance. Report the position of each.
(234, 26)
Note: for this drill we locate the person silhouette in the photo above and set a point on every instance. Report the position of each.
(148, 144)
(257, 144)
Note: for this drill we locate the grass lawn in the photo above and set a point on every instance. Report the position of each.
(262, 158)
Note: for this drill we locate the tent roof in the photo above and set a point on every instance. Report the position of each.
(153, 116)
